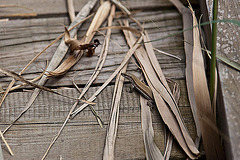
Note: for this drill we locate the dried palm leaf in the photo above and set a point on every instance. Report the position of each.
(57, 57)
(210, 134)
(188, 37)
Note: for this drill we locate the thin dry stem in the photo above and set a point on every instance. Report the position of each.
(167, 54)
(8, 147)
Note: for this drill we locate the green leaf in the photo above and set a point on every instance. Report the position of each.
(229, 62)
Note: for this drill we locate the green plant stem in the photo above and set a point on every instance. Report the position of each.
(213, 55)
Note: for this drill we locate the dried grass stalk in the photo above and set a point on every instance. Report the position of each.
(210, 133)
(24, 84)
(90, 106)
(151, 149)
(1, 154)
(8, 147)
(168, 147)
(108, 153)
(133, 30)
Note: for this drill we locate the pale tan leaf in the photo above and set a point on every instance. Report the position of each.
(98, 19)
(188, 37)
(210, 134)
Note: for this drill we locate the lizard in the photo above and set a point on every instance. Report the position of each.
(142, 88)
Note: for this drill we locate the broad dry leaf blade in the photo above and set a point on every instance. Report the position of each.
(210, 134)
(188, 37)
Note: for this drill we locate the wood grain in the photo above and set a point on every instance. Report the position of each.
(58, 7)
(37, 127)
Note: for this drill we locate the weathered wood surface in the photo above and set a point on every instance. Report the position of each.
(22, 39)
(228, 46)
(53, 7)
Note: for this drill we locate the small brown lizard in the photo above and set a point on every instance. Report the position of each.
(142, 88)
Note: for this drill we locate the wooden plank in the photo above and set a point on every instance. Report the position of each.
(228, 47)
(58, 7)
(82, 137)
(21, 39)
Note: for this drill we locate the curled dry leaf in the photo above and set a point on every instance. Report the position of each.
(78, 46)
